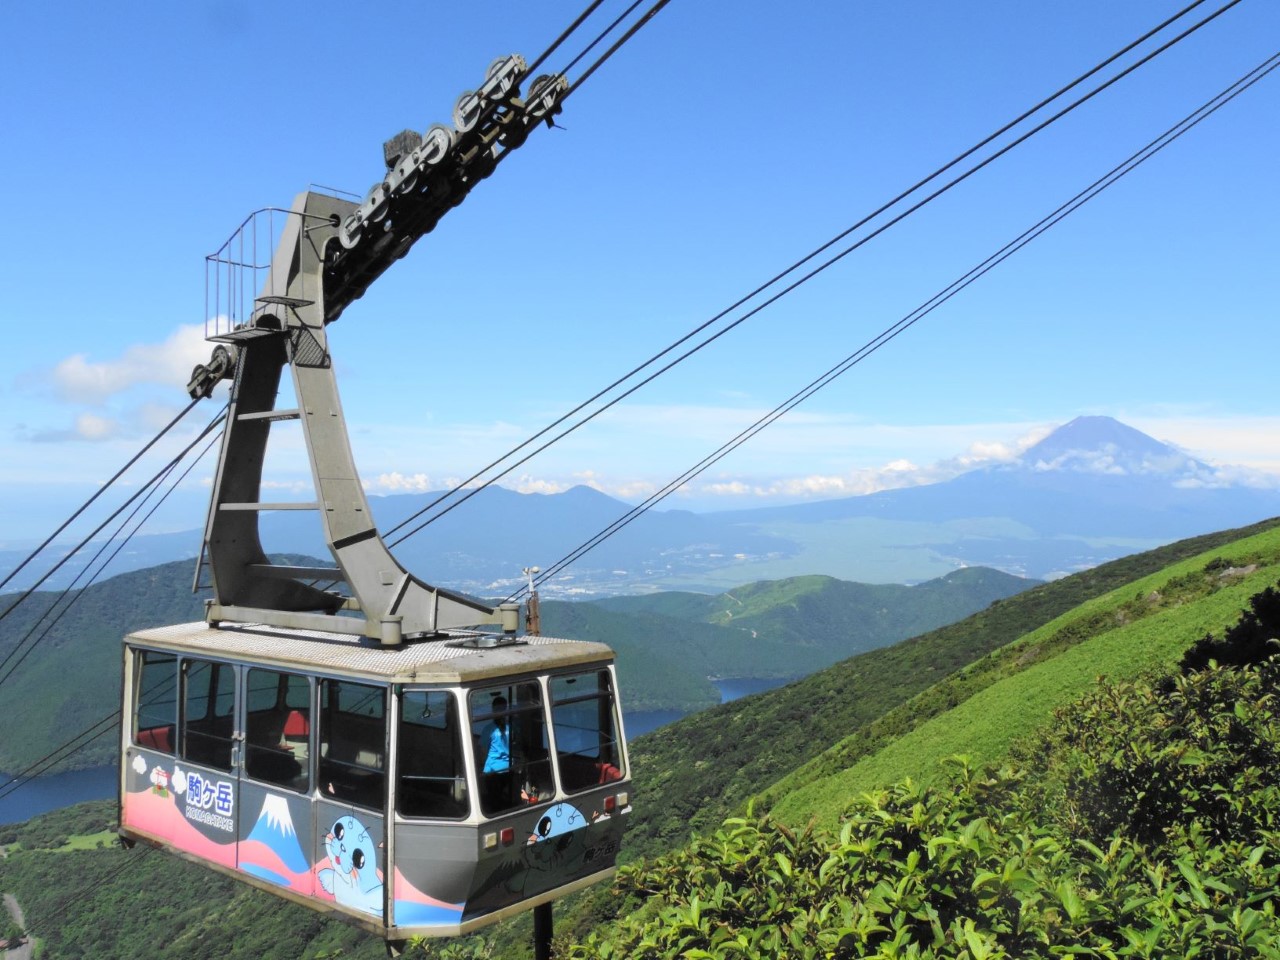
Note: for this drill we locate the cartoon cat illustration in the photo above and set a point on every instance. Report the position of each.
(353, 878)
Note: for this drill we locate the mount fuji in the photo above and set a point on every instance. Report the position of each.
(1093, 490)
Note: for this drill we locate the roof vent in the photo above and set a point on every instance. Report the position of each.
(487, 641)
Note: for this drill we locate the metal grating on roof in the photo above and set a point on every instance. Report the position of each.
(432, 661)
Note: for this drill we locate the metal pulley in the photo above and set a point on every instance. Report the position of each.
(501, 83)
(204, 377)
(544, 95)
(431, 173)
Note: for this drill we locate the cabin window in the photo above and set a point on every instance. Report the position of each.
(433, 776)
(509, 731)
(583, 714)
(155, 713)
(353, 742)
(208, 708)
(277, 728)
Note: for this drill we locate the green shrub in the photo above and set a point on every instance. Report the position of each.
(1251, 640)
(1141, 825)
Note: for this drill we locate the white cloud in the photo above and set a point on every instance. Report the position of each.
(1232, 442)
(733, 488)
(81, 380)
(395, 482)
(85, 427)
(90, 426)
(528, 484)
(288, 486)
(635, 490)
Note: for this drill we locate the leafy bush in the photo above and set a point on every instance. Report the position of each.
(1141, 825)
(1252, 640)
(9, 930)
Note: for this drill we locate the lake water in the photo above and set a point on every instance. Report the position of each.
(99, 783)
(49, 793)
(731, 688)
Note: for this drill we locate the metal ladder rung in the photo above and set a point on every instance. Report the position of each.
(272, 415)
(269, 506)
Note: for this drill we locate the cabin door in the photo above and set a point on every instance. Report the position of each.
(276, 811)
(351, 791)
(204, 778)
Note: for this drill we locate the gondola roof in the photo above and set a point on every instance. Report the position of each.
(451, 659)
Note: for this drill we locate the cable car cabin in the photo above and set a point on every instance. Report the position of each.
(422, 790)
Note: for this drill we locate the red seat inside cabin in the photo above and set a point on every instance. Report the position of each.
(296, 726)
(157, 738)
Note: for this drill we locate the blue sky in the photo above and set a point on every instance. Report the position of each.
(726, 141)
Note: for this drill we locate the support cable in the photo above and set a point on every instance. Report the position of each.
(58, 754)
(631, 32)
(105, 564)
(86, 736)
(568, 31)
(57, 566)
(603, 33)
(119, 473)
(1122, 169)
(454, 491)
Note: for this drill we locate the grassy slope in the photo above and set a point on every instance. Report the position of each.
(1141, 626)
(692, 774)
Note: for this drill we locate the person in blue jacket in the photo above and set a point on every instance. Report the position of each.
(495, 738)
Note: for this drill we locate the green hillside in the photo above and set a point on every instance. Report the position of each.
(1137, 822)
(664, 662)
(1143, 626)
(757, 881)
(692, 774)
(790, 628)
(650, 679)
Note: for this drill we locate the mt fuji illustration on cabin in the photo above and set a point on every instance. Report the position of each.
(272, 851)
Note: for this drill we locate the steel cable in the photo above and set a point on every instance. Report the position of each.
(1084, 196)
(455, 490)
(57, 566)
(119, 473)
(93, 579)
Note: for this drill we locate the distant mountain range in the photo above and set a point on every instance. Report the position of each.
(1093, 490)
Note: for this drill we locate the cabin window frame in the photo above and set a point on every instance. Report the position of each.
(529, 779)
(458, 801)
(164, 735)
(609, 764)
(218, 713)
(275, 754)
(352, 769)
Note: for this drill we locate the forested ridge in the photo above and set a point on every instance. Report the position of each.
(62, 648)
